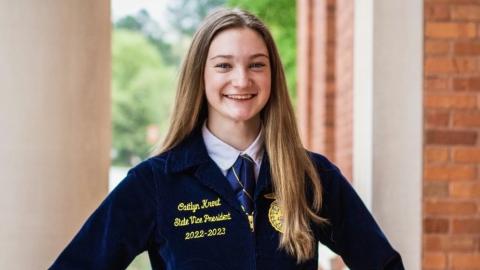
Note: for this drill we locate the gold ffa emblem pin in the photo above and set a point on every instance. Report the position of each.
(275, 216)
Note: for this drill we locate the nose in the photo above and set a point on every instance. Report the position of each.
(241, 79)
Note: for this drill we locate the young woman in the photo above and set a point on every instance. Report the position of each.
(233, 187)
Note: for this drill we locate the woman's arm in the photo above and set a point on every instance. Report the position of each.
(121, 228)
(352, 233)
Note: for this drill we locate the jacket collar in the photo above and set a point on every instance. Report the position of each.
(191, 153)
(225, 155)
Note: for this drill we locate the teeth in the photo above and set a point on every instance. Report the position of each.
(240, 97)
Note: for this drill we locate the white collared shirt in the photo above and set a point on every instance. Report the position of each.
(225, 155)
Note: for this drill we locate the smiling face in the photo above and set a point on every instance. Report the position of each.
(237, 76)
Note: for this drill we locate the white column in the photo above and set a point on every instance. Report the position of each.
(55, 124)
(388, 60)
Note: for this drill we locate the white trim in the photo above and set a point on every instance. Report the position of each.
(388, 115)
(363, 99)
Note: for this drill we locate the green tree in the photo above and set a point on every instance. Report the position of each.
(186, 15)
(143, 89)
(280, 17)
(143, 23)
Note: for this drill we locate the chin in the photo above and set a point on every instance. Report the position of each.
(242, 118)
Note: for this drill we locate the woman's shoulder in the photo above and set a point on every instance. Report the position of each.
(322, 163)
(330, 175)
(150, 167)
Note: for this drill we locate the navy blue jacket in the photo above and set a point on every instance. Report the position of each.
(180, 208)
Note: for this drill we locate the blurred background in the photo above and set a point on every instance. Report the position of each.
(388, 90)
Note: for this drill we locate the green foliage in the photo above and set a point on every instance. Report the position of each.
(186, 15)
(280, 17)
(143, 23)
(143, 89)
(129, 23)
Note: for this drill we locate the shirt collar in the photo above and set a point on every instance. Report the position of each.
(225, 155)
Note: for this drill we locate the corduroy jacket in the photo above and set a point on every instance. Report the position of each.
(179, 207)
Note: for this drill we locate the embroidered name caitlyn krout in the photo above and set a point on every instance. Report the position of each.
(204, 204)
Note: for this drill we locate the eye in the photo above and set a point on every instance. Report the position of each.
(258, 65)
(223, 66)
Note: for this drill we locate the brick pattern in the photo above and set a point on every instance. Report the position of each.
(451, 179)
(330, 81)
(316, 69)
(344, 89)
(311, 87)
(325, 103)
(304, 72)
(319, 69)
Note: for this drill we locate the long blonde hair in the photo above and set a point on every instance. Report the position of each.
(291, 169)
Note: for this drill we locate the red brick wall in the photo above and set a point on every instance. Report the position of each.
(325, 105)
(330, 81)
(344, 87)
(319, 69)
(451, 186)
(315, 82)
(304, 72)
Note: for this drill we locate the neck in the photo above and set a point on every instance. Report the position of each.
(237, 134)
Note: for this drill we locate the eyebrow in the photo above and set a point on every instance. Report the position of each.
(231, 56)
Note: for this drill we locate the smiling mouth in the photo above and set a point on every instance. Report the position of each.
(240, 97)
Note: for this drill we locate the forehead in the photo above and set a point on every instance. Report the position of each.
(237, 42)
